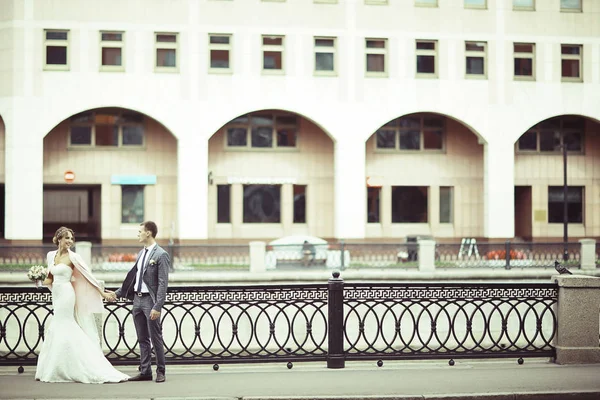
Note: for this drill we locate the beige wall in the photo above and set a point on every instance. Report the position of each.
(540, 171)
(459, 166)
(158, 157)
(311, 164)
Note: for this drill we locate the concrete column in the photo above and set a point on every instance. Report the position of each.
(426, 255)
(192, 186)
(84, 249)
(587, 255)
(350, 204)
(578, 318)
(24, 212)
(499, 190)
(257, 256)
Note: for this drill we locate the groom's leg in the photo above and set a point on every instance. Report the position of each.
(141, 327)
(155, 328)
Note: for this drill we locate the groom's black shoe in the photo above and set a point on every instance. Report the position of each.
(140, 377)
(160, 377)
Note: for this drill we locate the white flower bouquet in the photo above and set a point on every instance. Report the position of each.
(37, 273)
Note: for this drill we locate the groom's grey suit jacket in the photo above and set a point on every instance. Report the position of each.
(155, 276)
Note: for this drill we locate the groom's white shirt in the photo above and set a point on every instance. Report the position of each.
(142, 268)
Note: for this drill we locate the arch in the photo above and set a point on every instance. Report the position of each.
(69, 111)
(219, 123)
(373, 127)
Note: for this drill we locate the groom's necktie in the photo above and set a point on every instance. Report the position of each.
(141, 268)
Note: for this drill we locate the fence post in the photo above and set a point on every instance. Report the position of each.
(257, 256)
(587, 255)
(84, 249)
(426, 255)
(507, 255)
(577, 319)
(335, 322)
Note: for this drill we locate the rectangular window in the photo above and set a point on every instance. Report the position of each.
(575, 204)
(570, 6)
(219, 47)
(262, 204)
(409, 204)
(166, 52)
(56, 44)
(223, 204)
(111, 51)
(524, 5)
(426, 52)
(263, 130)
(524, 56)
(446, 204)
(475, 54)
(571, 62)
(476, 4)
(426, 3)
(376, 54)
(549, 136)
(376, 2)
(325, 60)
(107, 128)
(415, 133)
(373, 203)
(299, 204)
(132, 204)
(272, 48)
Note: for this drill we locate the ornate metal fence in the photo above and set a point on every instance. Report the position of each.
(333, 322)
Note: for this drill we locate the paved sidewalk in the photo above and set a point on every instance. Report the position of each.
(536, 379)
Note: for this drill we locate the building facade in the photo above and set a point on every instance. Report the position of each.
(254, 119)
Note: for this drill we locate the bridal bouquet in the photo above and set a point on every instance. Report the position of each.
(38, 274)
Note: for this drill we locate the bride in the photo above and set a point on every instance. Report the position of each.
(71, 351)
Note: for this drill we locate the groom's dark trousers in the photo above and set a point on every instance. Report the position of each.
(148, 330)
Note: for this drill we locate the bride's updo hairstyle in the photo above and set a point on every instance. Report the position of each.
(61, 233)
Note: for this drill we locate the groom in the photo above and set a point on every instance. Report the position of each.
(146, 283)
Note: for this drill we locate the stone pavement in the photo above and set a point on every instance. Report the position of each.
(536, 379)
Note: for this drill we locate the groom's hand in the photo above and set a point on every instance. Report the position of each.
(110, 296)
(154, 315)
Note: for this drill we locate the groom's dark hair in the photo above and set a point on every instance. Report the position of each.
(151, 227)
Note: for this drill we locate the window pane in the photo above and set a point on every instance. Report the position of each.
(426, 64)
(81, 135)
(523, 67)
(262, 203)
(56, 55)
(446, 204)
(570, 4)
(132, 204)
(376, 44)
(272, 60)
(573, 141)
(299, 204)
(566, 49)
(433, 122)
(475, 46)
(523, 3)
(131, 117)
(324, 61)
(219, 39)
(166, 58)
(107, 135)
(273, 41)
(475, 3)
(112, 37)
(409, 204)
(237, 137)
(528, 141)
(82, 117)
(223, 203)
(286, 137)
(475, 66)
(570, 68)
(324, 42)
(286, 120)
(575, 203)
(166, 38)
(373, 196)
(262, 119)
(262, 136)
(523, 48)
(219, 58)
(432, 140)
(133, 135)
(111, 56)
(410, 122)
(375, 63)
(410, 140)
(386, 139)
(425, 45)
(53, 35)
(573, 123)
(549, 141)
(426, 2)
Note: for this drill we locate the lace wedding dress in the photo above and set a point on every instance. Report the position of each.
(68, 354)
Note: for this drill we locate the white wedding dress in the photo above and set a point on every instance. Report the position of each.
(68, 354)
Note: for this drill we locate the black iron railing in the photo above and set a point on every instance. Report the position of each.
(333, 322)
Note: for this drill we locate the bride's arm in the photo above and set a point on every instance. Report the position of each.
(49, 279)
(91, 278)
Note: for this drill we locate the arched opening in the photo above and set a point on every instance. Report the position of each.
(2, 179)
(271, 175)
(105, 171)
(542, 153)
(424, 178)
